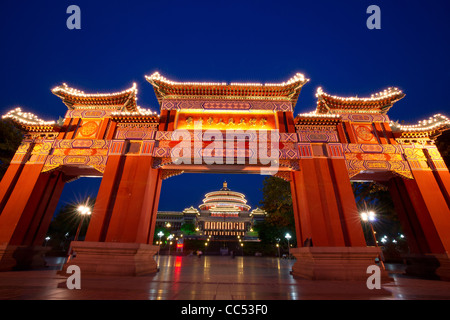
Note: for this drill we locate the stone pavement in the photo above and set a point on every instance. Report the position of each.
(214, 278)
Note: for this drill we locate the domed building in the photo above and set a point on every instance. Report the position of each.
(224, 214)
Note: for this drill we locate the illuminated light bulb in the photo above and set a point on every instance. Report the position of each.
(157, 77)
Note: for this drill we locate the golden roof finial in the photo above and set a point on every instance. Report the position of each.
(225, 187)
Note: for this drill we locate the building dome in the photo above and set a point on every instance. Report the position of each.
(224, 201)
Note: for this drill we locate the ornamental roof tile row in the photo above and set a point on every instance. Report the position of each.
(123, 105)
(122, 101)
(377, 103)
(286, 91)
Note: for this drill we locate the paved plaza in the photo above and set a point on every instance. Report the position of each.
(214, 278)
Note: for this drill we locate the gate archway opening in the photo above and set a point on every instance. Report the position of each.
(71, 216)
(216, 219)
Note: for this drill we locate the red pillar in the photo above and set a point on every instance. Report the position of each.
(432, 210)
(443, 179)
(134, 204)
(325, 205)
(351, 222)
(104, 203)
(30, 226)
(428, 192)
(326, 212)
(298, 223)
(14, 171)
(407, 215)
(117, 241)
(427, 217)
(14, 214)
(9, 182)
(44, 211)
(157, 194)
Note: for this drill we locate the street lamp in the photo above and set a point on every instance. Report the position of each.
(369, 217)
(278, 247)
(288, 237)
(84, 211)
(170, 237)
(160, 234)
(46, 240)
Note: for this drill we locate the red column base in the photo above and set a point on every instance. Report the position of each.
(428, 266)
(14, 258)
(113, 258)
(336, 263)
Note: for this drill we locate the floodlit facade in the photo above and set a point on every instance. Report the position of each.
(134, 149)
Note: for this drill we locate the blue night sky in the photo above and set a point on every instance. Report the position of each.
(223, 41)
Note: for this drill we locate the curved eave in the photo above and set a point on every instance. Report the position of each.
(36, 128)
(230, 207)
(225, 193)
(378, 103)
(166, 89)
(29, 122)
(225, 202)
(432, 128)
(421, 133)
(73, 98)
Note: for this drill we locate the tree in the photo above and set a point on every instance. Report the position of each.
(10, 139)
(158, 229)
(277, 202)
(188, 228)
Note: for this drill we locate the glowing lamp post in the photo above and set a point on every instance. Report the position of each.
(278, 248)
(369, 217)
(160, 234)
(170, 241)
(84, 211)
(288, 237)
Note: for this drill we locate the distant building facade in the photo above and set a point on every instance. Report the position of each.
(223, 214)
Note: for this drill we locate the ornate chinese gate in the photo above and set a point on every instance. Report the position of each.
(218, 127)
